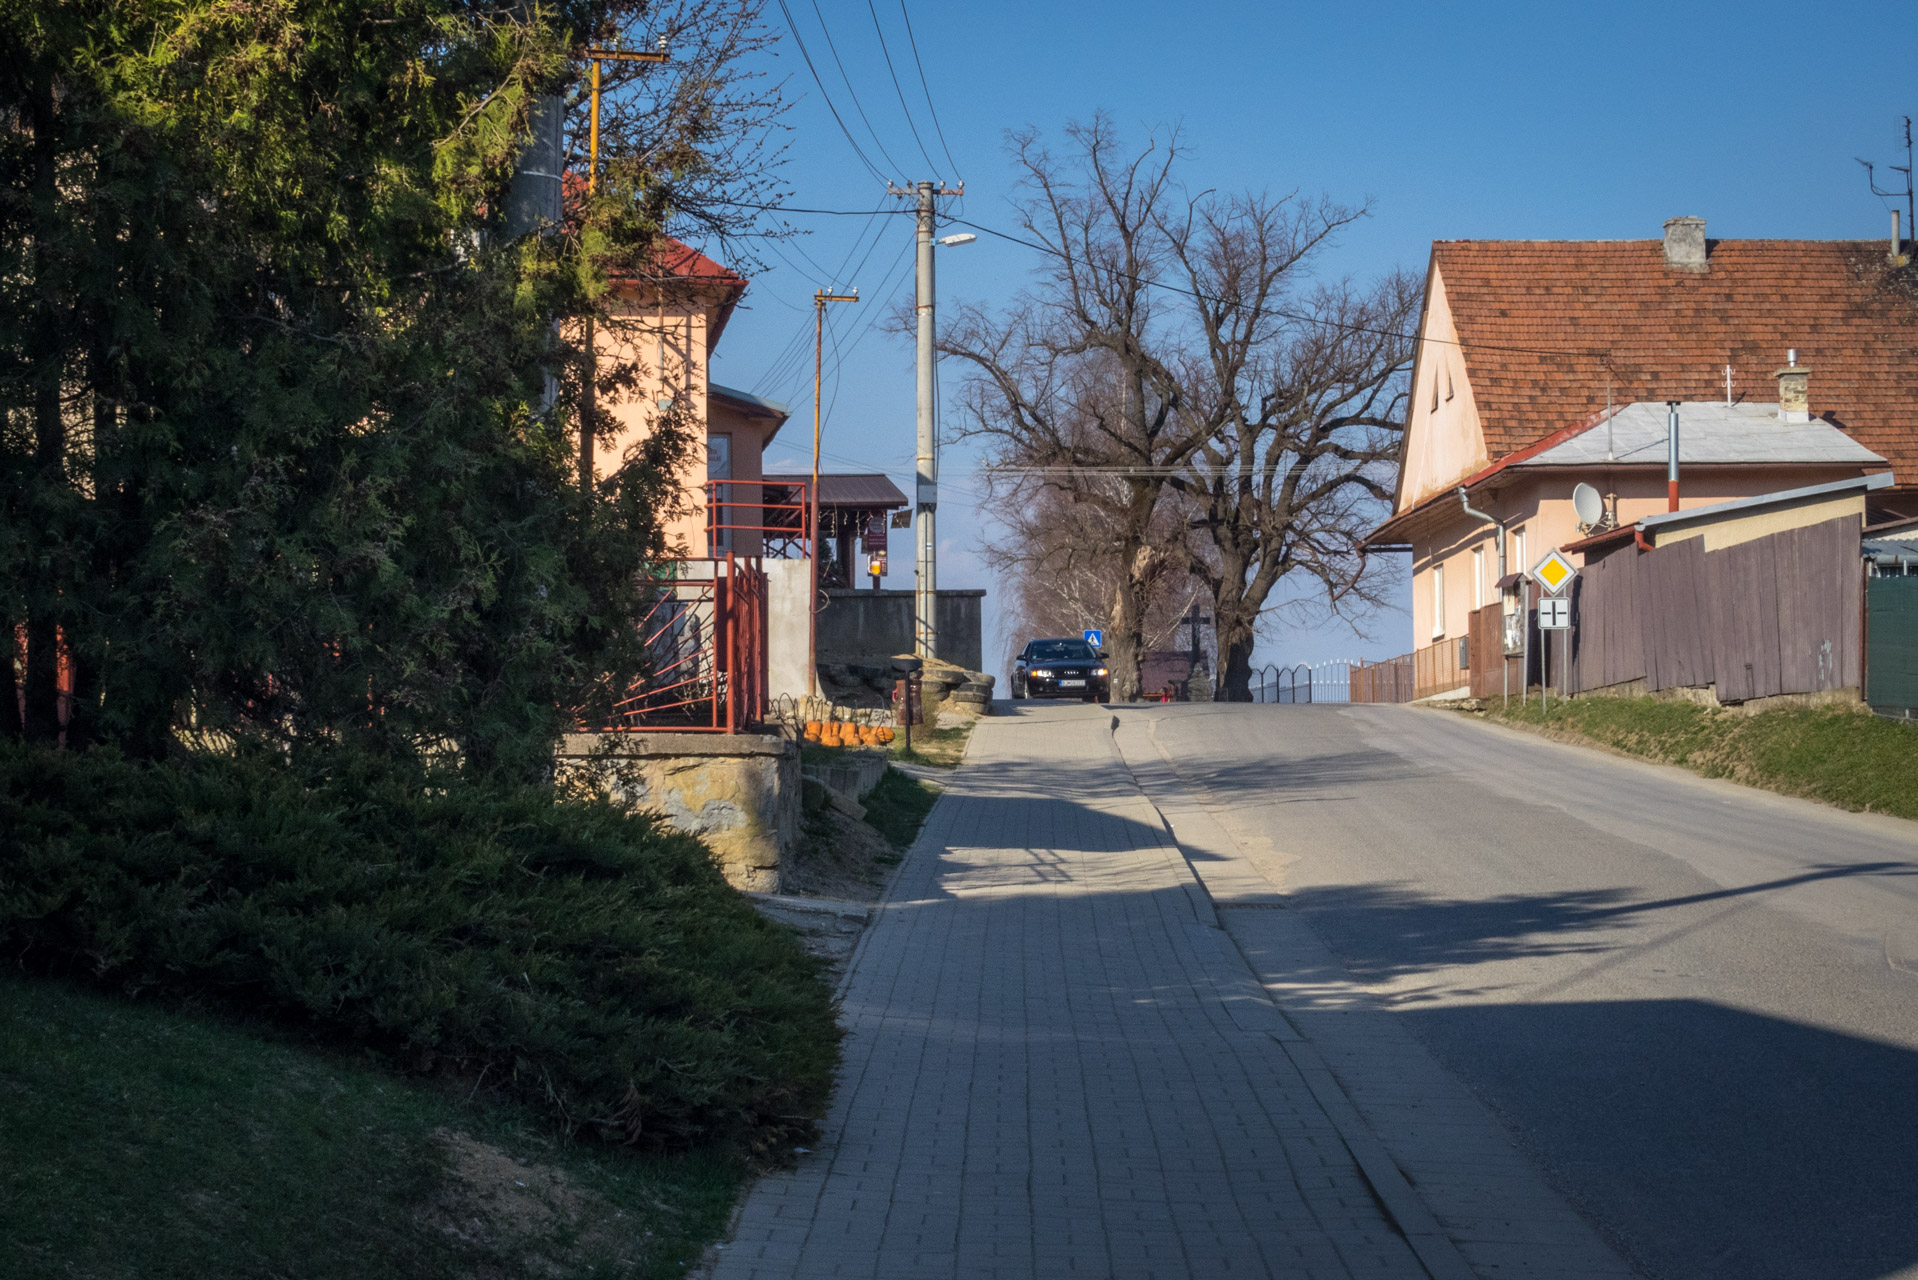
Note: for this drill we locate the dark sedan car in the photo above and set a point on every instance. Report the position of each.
(1059, 669)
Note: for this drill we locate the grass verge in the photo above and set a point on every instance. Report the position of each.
(897, 807)
(138, 1141)
(940, 748)
(1843, 757)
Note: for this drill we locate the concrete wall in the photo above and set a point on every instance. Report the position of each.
(873, 624)
(740, 793)
(788, 627)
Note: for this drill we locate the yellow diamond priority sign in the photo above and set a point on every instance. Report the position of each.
(1554, 572)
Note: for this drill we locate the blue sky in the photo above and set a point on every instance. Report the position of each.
(1539, 121)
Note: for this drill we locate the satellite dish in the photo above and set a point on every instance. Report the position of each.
(1588, 504)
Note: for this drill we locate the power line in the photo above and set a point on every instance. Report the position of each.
(924, 88)
(785, 364)
(1301, 317)
(857, 149)
(850, 91)
(887, 53)
(1601, 356)
(887, 285)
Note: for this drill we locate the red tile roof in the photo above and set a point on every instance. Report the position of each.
(683, 261)
(1543, 326)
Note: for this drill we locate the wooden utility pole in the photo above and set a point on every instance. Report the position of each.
(819, 300)
(596, 56)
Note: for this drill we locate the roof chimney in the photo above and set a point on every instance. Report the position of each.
(1794, 389)
(1685, 244)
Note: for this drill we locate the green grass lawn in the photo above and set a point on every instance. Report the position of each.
(1841, 756)
(138, 1142)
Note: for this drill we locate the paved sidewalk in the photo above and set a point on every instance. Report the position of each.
(1058, 1064)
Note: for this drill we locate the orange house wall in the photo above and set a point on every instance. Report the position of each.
(668, 342)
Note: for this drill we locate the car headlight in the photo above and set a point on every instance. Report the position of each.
(1100, 672)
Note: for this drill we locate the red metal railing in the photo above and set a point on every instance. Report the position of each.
(704, 631)
(704, 640)
(759, 518)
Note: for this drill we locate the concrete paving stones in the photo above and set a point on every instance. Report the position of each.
(1059, 1062)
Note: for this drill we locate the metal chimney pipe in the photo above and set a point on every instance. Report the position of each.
(1671, 455)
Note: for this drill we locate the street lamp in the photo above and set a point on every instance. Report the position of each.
(926, 495)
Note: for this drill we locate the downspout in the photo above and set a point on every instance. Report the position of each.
(1466, 502)
(1504, 666)
(1671, 455)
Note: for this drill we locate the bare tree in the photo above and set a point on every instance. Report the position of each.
(1299, 394)
(1180, 374)
(1071, 388)
(1061, 565)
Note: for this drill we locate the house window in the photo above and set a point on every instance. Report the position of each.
(1438, 602)
(1435, 379)
(1478, 577)
(1448, 382)
(719, 466)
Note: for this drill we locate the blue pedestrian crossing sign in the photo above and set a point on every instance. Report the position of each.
(1095, 638)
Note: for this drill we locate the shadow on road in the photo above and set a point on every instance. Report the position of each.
(1382, 931)
(1730, 1143)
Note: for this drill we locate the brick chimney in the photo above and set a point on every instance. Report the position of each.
(1685, 244)
(1794, 389)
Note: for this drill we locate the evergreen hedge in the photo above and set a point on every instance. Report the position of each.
(561, 951)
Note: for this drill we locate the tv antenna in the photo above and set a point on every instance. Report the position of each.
(1871, 177)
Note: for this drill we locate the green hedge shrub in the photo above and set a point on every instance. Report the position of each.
(564, 952)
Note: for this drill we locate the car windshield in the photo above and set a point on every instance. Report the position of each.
(1055, 650)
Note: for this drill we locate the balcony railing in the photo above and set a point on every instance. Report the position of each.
(759, 518)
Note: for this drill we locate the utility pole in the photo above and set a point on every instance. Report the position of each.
(925, 466)
(819, 300)
(588, 418)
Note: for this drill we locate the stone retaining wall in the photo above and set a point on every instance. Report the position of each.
(740, 793)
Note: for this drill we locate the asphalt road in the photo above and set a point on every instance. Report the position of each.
(1693, 1005)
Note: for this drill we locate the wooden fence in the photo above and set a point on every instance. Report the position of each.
(1778, 614)
(1437, 668)
(1387, 681)
(1493, 673)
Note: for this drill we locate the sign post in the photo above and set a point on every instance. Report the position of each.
(1095, 639)
(1555, 574)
